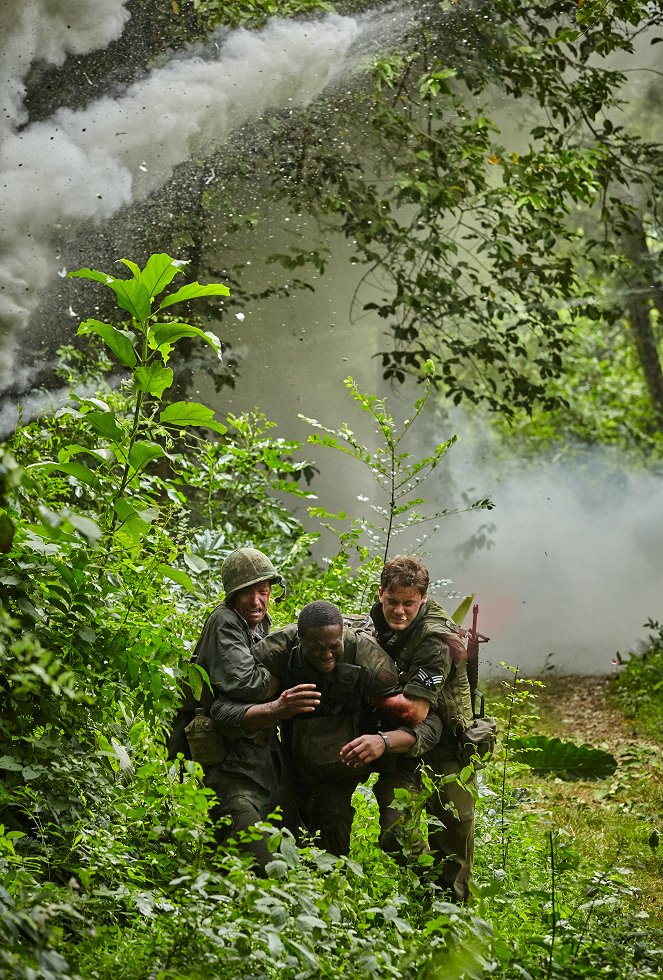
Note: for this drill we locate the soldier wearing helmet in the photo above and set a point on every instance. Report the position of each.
(242, 773)
(241, 620)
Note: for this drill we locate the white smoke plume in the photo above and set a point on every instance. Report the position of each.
(48, 30)
(573, 567)
(89, 163)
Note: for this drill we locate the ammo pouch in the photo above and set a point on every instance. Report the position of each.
(478, 740)
(207, 745)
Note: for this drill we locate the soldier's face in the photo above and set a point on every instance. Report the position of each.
(322, 647)
(400, 605)
(252, 602)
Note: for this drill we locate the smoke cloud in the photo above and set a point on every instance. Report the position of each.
(572, 569)
(48, 30)
(89, 163)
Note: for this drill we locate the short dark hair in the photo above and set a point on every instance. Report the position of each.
(405, 572)
(319, 613)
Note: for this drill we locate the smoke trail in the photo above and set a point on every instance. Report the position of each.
(43, 30)
(89, 163)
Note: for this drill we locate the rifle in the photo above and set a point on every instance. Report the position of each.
(474, 638)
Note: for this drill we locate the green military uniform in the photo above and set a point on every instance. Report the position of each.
(224, 653)
(321, 784)
(245, 780)
(432, 662)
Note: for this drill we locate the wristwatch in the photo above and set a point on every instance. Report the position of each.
(385, 739)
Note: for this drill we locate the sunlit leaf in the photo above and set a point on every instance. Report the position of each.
(170, 333)
(104, 423)
(73, 468)
(194, 290)
(153, 380)
(118, 340)
(91, 274)
(85, 525)
(461, 611)
(177, 575)
(133, 297)
(183, 414)
(142, 453)
(159, 271)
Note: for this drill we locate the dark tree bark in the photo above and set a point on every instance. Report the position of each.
(643, 290)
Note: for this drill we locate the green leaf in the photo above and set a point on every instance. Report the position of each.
(119, 341)
(153, 379)
(73, 468)
(567, 760)
(461, 611)
(142, 453)
(164, 335)
(9, 762)
(159, 271)
(133, 267)
(194, 290)
(104, 423)
(196, 677)
(91, 274)
(183, 414)
(133, 523)
(85, 525)
(133, 297)
(177, 575)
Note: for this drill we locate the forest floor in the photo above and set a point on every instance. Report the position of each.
(578, 707)
(617, 820)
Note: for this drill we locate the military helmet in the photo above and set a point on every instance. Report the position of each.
(245, 567)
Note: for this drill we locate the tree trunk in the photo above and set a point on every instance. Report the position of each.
(643, 289)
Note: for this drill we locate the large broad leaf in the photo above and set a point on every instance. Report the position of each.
(104, 423)
(133, 297)
(84, 525)
(134, 523)
(163, 336)
(177, 575)
(73, 468)
(118, 341)
(551, 756)
(142, 453)
(192, 291)
(184, 414)
(159, 271)
(153, 380)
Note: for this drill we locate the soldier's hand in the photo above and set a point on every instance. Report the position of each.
(296, 700)
(363, 750)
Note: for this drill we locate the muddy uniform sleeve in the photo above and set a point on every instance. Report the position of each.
(427, 734)
(224, 652)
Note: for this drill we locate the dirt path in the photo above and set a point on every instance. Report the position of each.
(576, 707)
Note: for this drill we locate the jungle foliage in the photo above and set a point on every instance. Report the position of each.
(499, 183)
(110, 554)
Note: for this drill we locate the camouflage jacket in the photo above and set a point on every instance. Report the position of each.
(224, 653)
(432, 663)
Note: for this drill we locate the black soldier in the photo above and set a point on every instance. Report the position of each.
(328, 676)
